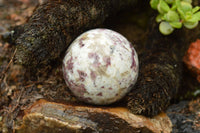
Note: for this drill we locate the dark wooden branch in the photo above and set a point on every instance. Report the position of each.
(161, 71)
(55, 24)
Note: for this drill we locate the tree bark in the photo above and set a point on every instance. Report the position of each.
(55, 24)
(161, 71)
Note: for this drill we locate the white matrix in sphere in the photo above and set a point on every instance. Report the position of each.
(100, 66)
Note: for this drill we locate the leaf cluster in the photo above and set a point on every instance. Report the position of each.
(173, 14)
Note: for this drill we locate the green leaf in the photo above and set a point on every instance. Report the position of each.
(197, 15)
(154, 4)
(177, 25)
(163, 7)
(172, 16)
(182, 14)
(165, 28)
(188, 16)
(194, 10)
(188, 1)
(190, 25)
(178, 3)
(174, 7)
(159, 18)
(169, 1)
(185, 6)
(193, 18)
(180, 10)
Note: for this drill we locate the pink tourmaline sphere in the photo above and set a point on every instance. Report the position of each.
(100, 66)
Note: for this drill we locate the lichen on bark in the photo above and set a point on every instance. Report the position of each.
(161, 71)
(55, 24)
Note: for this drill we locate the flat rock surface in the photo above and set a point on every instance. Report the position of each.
(45, 116)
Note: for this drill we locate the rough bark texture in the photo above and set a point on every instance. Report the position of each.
(55, 24)
(161, 71)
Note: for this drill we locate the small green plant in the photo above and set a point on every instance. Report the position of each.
(173, 14)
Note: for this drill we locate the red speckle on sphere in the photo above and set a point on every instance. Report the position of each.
(86, 99)
(93, 55)
(93, 75)
(82, 75)
(81, 43)
(77, 89)
(133, 65)
(115, 38)
(96, 58)
(65, 76)
(107, 60)
(99, 94)
(70, 64)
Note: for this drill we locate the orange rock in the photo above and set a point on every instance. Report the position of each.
(192, 58)
(44, 117)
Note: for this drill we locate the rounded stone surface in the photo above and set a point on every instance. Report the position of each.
(100, 66)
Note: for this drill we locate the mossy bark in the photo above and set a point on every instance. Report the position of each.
(161, 71)
(55, 24)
